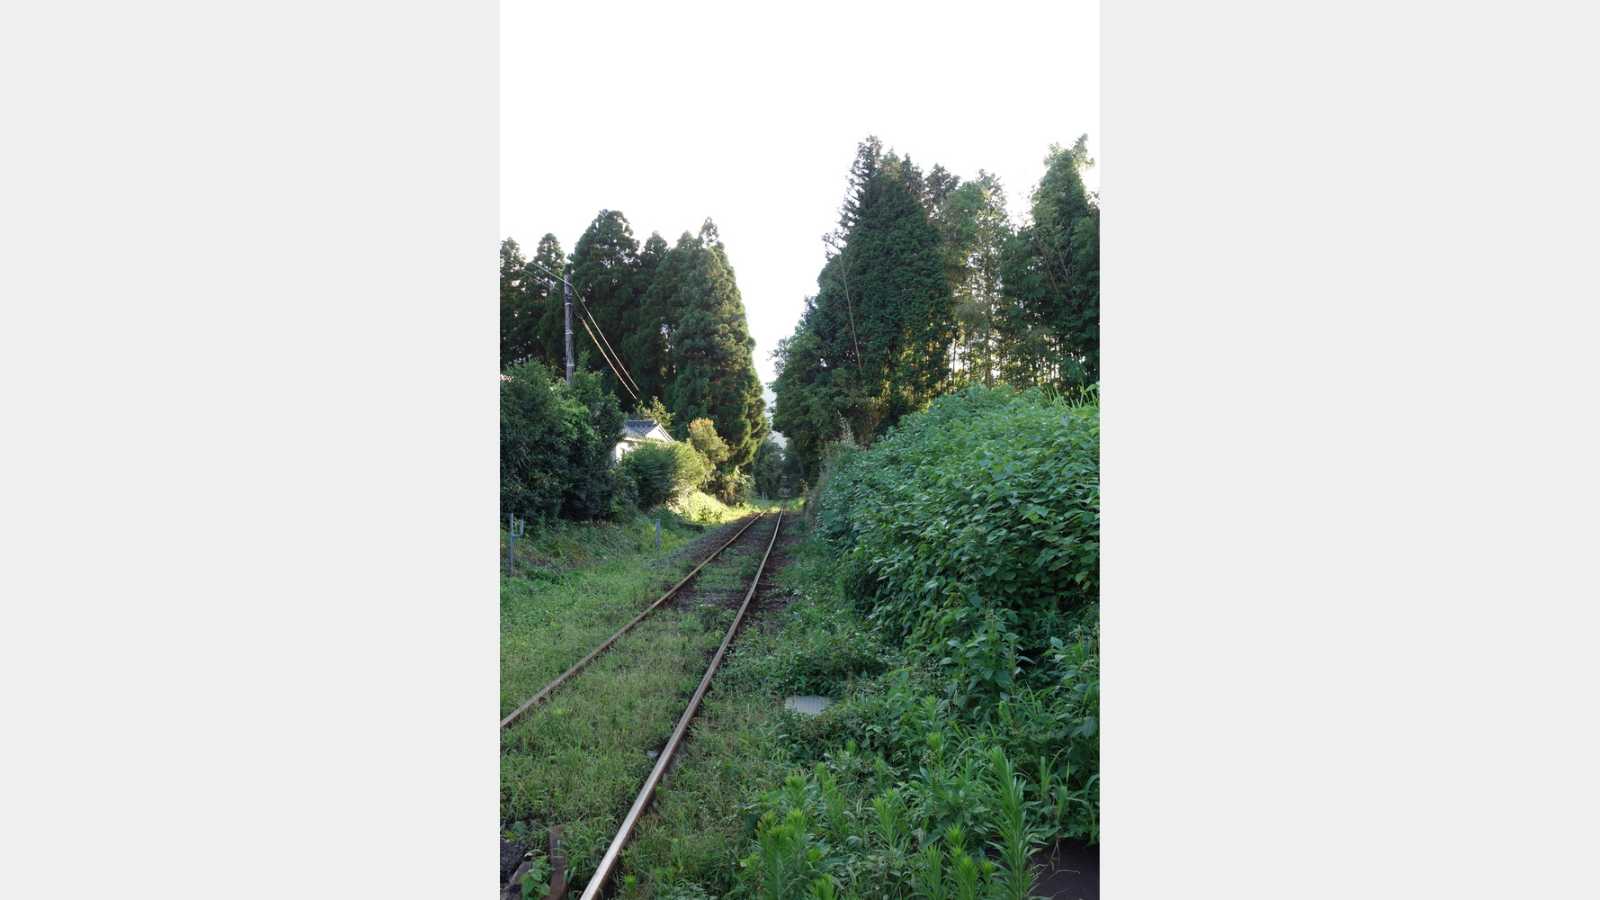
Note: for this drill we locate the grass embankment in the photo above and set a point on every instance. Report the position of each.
(579, 759)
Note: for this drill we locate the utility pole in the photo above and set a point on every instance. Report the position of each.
(567, 294)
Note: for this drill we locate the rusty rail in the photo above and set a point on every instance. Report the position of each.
(602, 873)
(545, 691)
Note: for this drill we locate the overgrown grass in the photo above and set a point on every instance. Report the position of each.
(578, 759)
(964, 659)
(893, 791)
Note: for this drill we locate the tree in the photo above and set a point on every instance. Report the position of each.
(927, 286)
(882, 319)
(516, 313)
(605, 273)
(1051, 271)
(807, 408)
(555, 444)
(703, 437)
(974, 230)
(710, 347)
(648, 347)
(768, 469)
(545, 297)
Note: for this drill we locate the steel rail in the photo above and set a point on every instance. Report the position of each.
(545, 691)
(602, 873)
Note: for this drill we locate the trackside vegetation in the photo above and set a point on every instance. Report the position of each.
(937, 409)
(556, 442)
(964, 734)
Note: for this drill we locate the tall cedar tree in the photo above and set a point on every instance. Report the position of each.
(531, 325)
(878, 338)
(883, 313)
(808, 409)
(516, 312)
(975, 228)
(545, 295)
(605, 273)
(1052, 279)
(645, 346)
(714, 376)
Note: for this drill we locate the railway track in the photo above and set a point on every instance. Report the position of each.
(603, 871)
(545, 692)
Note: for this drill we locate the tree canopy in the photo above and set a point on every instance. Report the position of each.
(671, 318)
(929, 286)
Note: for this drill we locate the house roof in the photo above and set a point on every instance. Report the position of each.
(643, 429)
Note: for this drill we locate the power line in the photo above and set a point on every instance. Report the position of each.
(608, 361)
(602, 334)
(624, 377)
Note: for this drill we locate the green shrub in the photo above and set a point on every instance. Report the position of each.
(732, 487)
(972, 528)
(693, 469)
(555, 445)
(969, 536)
(650, 469)
(663, 472)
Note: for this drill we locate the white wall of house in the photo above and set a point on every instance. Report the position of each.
(630, 442)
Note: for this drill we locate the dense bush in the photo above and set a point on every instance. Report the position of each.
(969, 536)
(733, 487)
(555, 445)
(973, 529)
(662, 472)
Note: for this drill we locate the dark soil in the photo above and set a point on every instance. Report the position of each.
(1068, 870)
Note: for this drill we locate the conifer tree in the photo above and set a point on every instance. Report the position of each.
(974, 229)
(713, 373)
(1052, 279)
(516, 313)
(604, 272)
(808, 408)
(545, 298)
(645, 347)
(884, 308)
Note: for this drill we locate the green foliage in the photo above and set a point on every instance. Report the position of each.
(530, 305)
(555, 445)
(894, 791)
(714, 375)
(974, 228)
(768, 470)
(591, 473)
(644, 347)
(1051, 271)
(663, 472)
(735, 488)
(972, 530)
(514, 309)
(928, 288)
(850, 825)
(605, 272)
(654, 410)
(873, 344)
(673, 315)
(703, 437)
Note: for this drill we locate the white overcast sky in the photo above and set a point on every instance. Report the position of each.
(672, 112)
